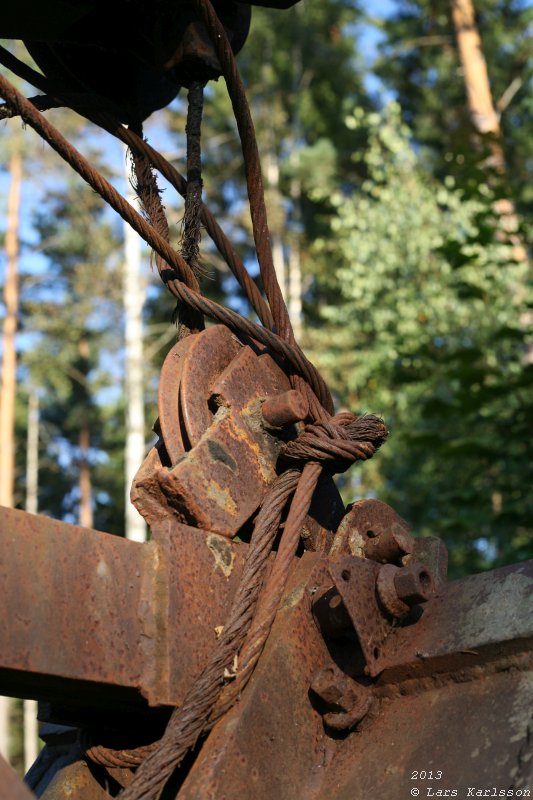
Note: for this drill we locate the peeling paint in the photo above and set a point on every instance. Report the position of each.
(222, 552)
(102, 569)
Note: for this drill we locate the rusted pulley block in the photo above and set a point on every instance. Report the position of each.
(225, 409)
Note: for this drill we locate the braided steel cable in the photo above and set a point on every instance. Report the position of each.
(179, 274)
(252, 164)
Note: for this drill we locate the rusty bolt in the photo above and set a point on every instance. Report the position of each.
(326, 685)
(388, 594)
(346, 702)
(372, 529)
(414, 584)
(285, 409)
(400, 588)
(389, 544)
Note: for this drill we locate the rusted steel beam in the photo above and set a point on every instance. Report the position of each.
(11, 787)
(94, 619)
(69, 596)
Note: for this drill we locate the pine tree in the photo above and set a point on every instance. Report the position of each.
(421, 63)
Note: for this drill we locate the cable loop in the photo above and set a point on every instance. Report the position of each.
(336, 444)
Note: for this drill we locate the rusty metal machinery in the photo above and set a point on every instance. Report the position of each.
(379, 678)
(376, 669)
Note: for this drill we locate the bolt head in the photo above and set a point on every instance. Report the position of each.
(414, 584)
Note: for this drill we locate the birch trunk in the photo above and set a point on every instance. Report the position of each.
(84, 444)
(294, 302)
(134, 296)
(9, 370)
(32, 455)
(31, 728)
(277, 219)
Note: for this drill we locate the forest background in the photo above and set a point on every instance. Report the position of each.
(399, 203)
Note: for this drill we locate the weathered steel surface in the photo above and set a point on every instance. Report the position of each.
(96, 619)
(170, 415)
(473, 723)
(285, 409)
(211, 352)
(200, 572)
(79, 781)
(355, 580)
(217, 454)
(221, 482)
(475, 735)
(326, 714)
(350, 593)
(11, 787)
(270, 745)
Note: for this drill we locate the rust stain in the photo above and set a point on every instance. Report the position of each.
(221, 496)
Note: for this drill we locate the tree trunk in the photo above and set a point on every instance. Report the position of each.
(85, 486)
(9, 360)
(276, 217)
(294, 301)
(134, 296)
(84, 444)
(32, 455)
(31, 728)
(483, 114)
(476, 76)
(9, 369)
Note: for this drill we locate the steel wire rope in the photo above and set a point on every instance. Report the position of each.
(189, 321)
(252, 166)
(254, 182)
(179, 274)
(190, 720)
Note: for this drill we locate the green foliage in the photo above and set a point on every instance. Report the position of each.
(426, 324)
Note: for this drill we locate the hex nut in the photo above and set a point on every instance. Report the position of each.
(414, 584)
